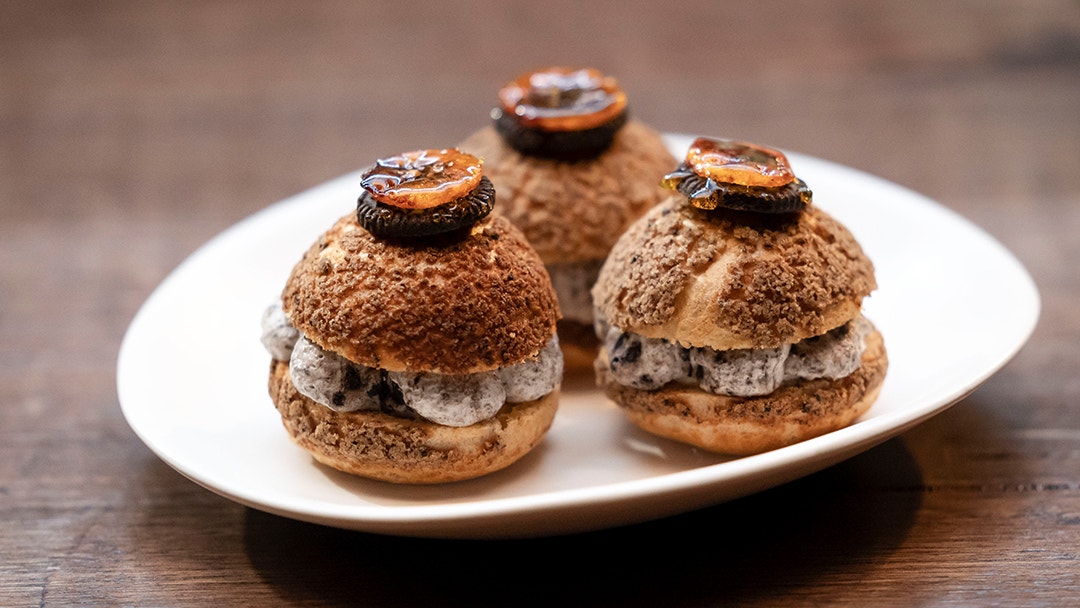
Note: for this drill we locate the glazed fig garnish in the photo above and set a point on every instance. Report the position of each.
(738, 175)
(561, 112)
(422, 179)
(424, 192)
(563, 99)
(739, 163)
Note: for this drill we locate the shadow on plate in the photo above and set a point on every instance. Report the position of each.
(757, 546)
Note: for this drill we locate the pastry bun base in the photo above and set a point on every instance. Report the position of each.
(398, 450)
(749, 425)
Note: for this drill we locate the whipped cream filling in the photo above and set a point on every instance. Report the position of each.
(278, 335)
(650, 363)
(451, 400)
(573, 283)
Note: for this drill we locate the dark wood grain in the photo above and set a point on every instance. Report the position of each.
(131, 132)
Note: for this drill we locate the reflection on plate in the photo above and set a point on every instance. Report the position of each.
(192, 379)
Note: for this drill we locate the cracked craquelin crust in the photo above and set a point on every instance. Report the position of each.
(574, 211)
(399, 450)
(750, 425)
(733, 280)
(451, 305)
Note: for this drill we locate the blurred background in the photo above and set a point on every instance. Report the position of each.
(99, 99)
(133, 131)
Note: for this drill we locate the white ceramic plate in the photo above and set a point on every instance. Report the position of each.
(953, 305)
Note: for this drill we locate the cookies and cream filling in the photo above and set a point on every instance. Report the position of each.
(650, 363)
(450, 400)
(573, 283)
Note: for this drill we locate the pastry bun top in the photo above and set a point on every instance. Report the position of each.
(574, 211)
(453, 305)
(730, 279)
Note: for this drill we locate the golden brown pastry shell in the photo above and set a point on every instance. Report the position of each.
(574, 211)
(445, 304)
(731, 280)
(388, 448)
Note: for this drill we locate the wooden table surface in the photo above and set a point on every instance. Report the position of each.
(132, 132)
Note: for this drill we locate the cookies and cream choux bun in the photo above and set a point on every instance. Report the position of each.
(572, 171)
(731, 314)
(415, 341)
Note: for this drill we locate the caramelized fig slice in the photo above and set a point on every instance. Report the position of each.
(561, 112)
(562, 99)
(739, 163)
(738, 175)
(385, 220)
(422, 179)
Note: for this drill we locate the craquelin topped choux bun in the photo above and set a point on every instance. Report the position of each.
(573, 171)
(730, 314)
(415, 341)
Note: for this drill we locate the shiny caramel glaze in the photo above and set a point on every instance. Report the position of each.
(562, 99)
(738, 175)
(422, 179)
(740, 163)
